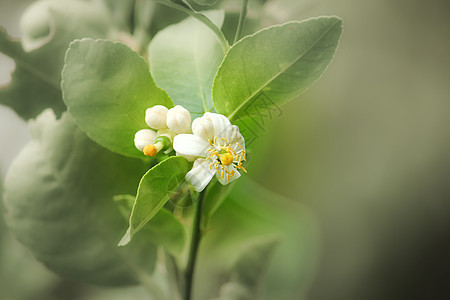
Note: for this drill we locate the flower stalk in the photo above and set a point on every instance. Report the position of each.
(195, 242)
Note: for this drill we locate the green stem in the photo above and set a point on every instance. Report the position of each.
(202, 18)
(195, 242)
(242, 17)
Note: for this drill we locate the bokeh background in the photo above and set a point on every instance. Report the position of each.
(367, 149)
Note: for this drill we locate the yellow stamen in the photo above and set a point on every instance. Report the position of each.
(228, 177)
(226, 159)
(150, 150)
(209, 141)
(217, 169)
(243, 169)
(215, 140)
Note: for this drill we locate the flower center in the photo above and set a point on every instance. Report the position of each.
(226, 159)
(222, 155)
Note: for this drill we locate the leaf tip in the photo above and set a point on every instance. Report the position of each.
(125, 239)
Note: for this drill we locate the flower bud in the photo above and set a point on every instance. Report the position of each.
(203, 127)
(179, 120)
(143, 138)
(155, 117)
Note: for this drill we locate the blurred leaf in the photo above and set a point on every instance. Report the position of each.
(121, 13)
(273, 66)
(58, 200)
(205, 2)
(48, 27)
(154, 191)
(234, 291)
(184, 59)
(252, 263)
(107, 88)
(252, 212)
(248, 270)
(163, 229)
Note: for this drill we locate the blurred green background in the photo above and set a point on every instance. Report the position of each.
(367, 148)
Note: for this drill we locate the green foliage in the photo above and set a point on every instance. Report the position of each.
(184, 59)
(107, 88)
(48, 28)
(58, 195)
(274, 66)
(69, 194)
(154, 191)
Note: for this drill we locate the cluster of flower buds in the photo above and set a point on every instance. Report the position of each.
(165, 124)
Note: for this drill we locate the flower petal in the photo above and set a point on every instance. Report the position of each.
(189, 144)
(225, 181)
(222, 126)
(200, 176)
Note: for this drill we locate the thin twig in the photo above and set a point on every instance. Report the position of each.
(242, 17)
(195, 242)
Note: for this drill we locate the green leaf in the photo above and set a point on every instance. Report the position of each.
(48, 27)
(57, 196)
(251, 213)
(184, 59)
(107, 88)
(249, 269)
(154, 191)
(252, 263)
(163, 229)
(274, 66)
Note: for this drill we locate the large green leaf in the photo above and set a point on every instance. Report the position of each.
(154, 191)
(48, 27)
(58, 195)
(274, 66)
(184, 59)
(107, 88)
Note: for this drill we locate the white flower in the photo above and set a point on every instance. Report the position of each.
(144, 137)
(155, 117)
(179, 119)
(220, 153)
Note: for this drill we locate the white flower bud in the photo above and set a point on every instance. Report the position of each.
(203, 127)
(179, 120)
(143, 138)
(155, 117)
